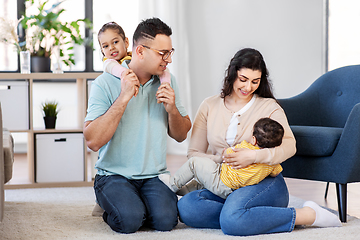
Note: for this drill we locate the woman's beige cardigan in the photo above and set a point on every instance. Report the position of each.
(212, 121)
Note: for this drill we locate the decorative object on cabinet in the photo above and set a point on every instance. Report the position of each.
(25, 63)
(8, 31)
(40, 64)
(56, 63)
(50, 111)
(45, 32)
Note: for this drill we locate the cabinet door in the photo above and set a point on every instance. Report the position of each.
(14, 98)
(59, 157)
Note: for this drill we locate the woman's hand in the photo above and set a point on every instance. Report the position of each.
(242, 157)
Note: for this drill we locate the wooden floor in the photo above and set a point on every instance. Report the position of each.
(307, 190)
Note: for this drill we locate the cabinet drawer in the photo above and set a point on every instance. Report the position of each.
(59, 157)
(14, 98)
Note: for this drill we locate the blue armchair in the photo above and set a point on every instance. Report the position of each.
(325, 120)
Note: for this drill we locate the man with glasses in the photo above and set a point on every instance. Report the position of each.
(131, 134)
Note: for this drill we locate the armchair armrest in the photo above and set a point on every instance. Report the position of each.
(2, 194)
(348, 149)
(8, 149)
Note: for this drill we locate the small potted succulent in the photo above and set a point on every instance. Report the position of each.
(50, 111)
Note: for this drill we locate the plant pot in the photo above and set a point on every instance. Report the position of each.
(40, 64)
(50, 122)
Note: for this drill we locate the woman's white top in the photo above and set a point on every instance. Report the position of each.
(232, 129)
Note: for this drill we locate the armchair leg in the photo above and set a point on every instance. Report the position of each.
(341, 191)
(326, 190)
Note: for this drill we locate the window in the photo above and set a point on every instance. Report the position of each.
(74, 9)
(343, 30)
(8, 56)
(344, 33)
(126, 16)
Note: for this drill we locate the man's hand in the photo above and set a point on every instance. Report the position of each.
(166, 95)
(129, 85)
(179, 126)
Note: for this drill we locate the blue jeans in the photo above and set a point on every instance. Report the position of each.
(130, 204)
(251, 210)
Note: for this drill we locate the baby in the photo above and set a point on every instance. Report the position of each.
(222, 179)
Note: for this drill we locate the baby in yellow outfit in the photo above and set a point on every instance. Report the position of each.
(250, 175)
(222, 179)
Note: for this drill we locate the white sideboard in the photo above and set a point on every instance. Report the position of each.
(16, 95)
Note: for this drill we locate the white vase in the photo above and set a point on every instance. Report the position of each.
(25, 62)
(56, 61)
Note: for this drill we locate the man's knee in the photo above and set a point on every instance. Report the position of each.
(124, 224)
(165, 221)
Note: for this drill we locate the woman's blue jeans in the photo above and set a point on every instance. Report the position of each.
(251, 210)
(130, 204)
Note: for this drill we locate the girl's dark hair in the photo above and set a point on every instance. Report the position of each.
(149, 28)
(252, 59)
(113, 26)
(269, 133)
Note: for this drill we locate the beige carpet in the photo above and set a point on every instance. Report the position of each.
(65, 213)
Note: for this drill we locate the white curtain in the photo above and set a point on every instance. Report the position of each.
(173, 14)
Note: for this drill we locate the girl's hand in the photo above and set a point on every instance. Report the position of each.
(242, 157)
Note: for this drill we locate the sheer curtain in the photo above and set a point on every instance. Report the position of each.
(173, 14)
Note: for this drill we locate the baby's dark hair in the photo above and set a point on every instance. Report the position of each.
(268, 133)
(113, 26)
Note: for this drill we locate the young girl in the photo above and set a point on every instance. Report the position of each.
(114, 44)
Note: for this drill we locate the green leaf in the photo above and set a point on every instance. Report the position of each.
(50, 108)
(49, 31)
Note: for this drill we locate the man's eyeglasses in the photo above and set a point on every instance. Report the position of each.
(165, 54)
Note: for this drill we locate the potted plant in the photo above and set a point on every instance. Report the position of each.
(47, 35)
(8, 30)
(50, 111)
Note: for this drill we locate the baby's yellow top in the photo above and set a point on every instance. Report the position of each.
(250, 175)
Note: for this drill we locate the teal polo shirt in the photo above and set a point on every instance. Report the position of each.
(138, 148)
